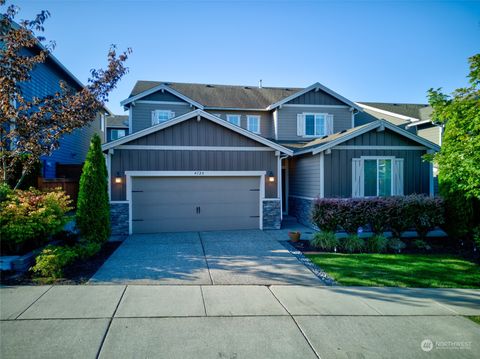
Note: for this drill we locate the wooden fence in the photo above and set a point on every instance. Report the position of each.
(69, 185)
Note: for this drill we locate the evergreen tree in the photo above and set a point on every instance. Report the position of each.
(93, 208)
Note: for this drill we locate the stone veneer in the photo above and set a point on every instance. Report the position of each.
(272, 217)
(301, 208)
(119, 219)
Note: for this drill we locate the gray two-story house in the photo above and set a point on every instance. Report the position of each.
(202, 157)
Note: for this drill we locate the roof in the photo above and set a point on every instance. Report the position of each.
(189, 115)
(320, 144)
(414, 111)
(120, 121)
(222, 96)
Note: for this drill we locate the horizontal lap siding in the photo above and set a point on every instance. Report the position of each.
(266, 121)
(142, 113)
(338, 170)
(287, 120)
(430, 133)
(144, 160)
(304, 176)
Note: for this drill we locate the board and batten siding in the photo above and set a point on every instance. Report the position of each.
(304, 176)
(338, 164)
(287, 120)
(316, 98)
(192, 133)
(266, 120)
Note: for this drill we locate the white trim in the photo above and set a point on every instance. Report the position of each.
(315, 86)
(161, 102)
(418, 123)
(275, 123)
(193, 148)
(322, 175)
(353, 119)
(130, 174)
(118, 202)
(108, 159)
(384, 112)
(287, 184)
(431, 186)
(305, 114)
(233, 108)
(279, 182)
(302, 197)
(316, 106)
(259, 123)
(440, 135)
(130, 120)
(188, 116)
(234, 115)
(360, 147)
(155, 114)
(366, 128)
(159, 88)
(117, 131)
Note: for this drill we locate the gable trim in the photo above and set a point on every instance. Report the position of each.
(385, 112)
(160, 88)
(315, 86)
(199, 113)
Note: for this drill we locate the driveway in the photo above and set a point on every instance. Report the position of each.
(222, 257)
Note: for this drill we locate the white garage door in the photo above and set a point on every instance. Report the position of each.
(171, 204)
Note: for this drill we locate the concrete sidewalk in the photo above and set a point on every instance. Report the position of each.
(237, 321)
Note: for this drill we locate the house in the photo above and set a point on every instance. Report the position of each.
(68, 159)
(116, 127)
(202, 157)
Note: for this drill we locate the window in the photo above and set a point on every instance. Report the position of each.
(116, 134)
(159, 116)
(234, 119)
(253, 124)
(377, 177)
(315, 124)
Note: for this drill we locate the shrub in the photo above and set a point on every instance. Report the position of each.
(87, 249)
(325, 241)
(51, 262)
(93, 209)
(395, 245)
(421, 245)
(352, 244)
(325, 214)
(425, 213)
(29, 218)
(352, 215)
(376, 244)
(396, 214)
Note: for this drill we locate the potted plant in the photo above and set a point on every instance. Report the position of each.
(294, 236)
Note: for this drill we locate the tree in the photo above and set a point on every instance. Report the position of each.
(459, 158)
(93, 209)
(32, 128)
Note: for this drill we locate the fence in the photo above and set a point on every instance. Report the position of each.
(69, 185)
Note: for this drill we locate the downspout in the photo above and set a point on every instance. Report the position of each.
(279, 186)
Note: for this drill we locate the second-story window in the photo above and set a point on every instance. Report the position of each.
(315, 124)
(159, 116)
(116, 134)
(234, 119)
(253, 124)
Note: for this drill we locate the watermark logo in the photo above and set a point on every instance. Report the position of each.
(426, 345)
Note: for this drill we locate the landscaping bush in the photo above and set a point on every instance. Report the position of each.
(51, 262)
(352, 215)
(325, 241)
(352, 244)
(376, 244)
(87, 249)
(325, 214)
(29, 218)
(93, 208)
(421, 245)
(395, 245)
(425, 213)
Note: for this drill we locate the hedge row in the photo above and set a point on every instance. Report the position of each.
(379, 214)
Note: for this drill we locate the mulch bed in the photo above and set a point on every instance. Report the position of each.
(77, 273)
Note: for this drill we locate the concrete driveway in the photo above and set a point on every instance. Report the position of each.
(223, 257)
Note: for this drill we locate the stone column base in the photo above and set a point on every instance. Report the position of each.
(272, 213)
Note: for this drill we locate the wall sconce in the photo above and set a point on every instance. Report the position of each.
(118, 178)
(271, 177)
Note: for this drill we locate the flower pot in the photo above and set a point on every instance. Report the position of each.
(294, 236)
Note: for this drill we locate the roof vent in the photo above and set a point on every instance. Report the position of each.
(260, 84)
(209, 85)
(324, 137)
(287, 89)
(167, 83)
(247, 88)
(343, 131)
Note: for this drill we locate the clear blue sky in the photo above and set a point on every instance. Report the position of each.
(391, 51)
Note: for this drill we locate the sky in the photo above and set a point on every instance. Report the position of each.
(379, 51)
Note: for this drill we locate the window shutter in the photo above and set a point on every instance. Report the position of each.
(154, 117)
(329, 124)
(300, 125)
(172, 114)
(356, 177)
(398, 177)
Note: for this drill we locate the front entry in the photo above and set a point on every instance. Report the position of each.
(181, 204)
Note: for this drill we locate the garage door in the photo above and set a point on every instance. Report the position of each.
(170, 204)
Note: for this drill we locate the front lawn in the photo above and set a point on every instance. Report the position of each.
(399, 270)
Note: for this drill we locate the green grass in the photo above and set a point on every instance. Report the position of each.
(476, 319)
(399, 270)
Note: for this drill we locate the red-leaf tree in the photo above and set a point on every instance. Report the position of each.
(31, 128)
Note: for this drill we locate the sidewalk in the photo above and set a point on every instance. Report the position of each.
(190, 321)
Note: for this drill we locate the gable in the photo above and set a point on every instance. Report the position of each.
(196, 133)
(316, 97)
(380, 138)
(162, 96)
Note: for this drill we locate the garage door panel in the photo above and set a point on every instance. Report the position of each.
(168, 204)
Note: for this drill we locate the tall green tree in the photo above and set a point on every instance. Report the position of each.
(459, 158)
(93, 209)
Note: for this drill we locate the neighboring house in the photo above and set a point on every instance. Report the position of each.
(117, 127)
(210, 157)
(67, 160)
